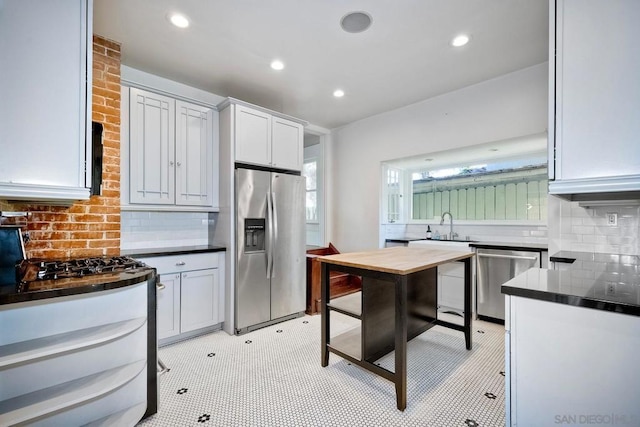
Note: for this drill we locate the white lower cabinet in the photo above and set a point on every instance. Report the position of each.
(190, 298)
(198, 300)
(451, 287)
(568, 365)
(169, 306)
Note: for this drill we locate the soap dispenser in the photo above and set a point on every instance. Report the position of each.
(428, 232)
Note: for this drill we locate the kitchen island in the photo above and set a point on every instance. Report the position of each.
(397, 303)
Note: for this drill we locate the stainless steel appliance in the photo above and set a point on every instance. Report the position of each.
(495, 267)
(270, 245)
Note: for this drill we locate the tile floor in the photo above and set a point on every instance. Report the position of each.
(273, 377)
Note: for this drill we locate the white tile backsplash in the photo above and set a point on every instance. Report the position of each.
(141, 230)
(577, 228)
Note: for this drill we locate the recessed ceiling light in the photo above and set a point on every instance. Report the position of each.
(460, 40)
(277, 65)
(355, 22)
(179, 20)
(338, 93)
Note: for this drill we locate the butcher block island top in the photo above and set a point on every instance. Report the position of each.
(396, 260)
(397, 303)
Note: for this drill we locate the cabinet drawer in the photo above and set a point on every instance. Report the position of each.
(179, 263)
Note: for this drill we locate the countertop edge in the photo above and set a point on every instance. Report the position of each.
(565, 260)
(137, 277)
(145, 253)
(572, 300)
(535, 247)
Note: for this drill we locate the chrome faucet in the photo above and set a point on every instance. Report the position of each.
(452, 235)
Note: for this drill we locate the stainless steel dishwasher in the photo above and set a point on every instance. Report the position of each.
(494, 268)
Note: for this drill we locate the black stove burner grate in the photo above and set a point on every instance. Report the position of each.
(59, 269)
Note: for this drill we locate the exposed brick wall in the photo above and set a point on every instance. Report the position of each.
(90, 228)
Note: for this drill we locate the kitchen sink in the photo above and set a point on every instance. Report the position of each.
(457, 245)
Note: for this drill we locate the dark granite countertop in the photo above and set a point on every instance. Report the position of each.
(614, 288)
(44, 289)
(594, 257)
(403, 239)
(511, 246)
(176, 250)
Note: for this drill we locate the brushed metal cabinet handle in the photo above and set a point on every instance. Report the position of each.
(181, 263)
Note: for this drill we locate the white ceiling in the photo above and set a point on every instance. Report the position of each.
(404, 57)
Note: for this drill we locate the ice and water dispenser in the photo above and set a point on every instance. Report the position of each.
(254, 229)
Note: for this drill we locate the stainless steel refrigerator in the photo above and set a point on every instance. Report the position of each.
(270, 248)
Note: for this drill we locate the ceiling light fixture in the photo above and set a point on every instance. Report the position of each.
(460, 40)
(179, 20)
(355, 22)
(338, 93)
(277, 65)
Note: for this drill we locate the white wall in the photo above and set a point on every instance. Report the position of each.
(505, 107)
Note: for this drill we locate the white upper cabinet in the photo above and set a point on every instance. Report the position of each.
(45, 119)
(194, 155)
(171, 154)
(152, 148)
(287, 147)
(253, 136)
(266, 138)
(594, 98)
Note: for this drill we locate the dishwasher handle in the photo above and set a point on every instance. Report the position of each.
(528, 258)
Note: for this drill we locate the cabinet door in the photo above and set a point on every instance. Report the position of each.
(43, 103)
(152, 148)
(597, 89)
(194, 155)
(253, 136)
(199, 299)
(169, 306)
(287, 144)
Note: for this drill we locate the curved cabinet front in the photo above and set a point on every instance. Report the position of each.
(79, 359)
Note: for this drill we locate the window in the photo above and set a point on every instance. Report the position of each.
(479, 194)
(394, 194)
(309, 170)
(503, 180)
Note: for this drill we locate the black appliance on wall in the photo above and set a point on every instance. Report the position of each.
(96, 162)
(11, 253)
(11, 247)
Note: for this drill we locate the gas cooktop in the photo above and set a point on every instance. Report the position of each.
(34, 269)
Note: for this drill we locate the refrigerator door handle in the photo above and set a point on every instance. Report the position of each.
(275, 227)
(269, 251)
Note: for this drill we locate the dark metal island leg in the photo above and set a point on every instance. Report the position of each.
(467, 302)
(401, 341)
(324, 313)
